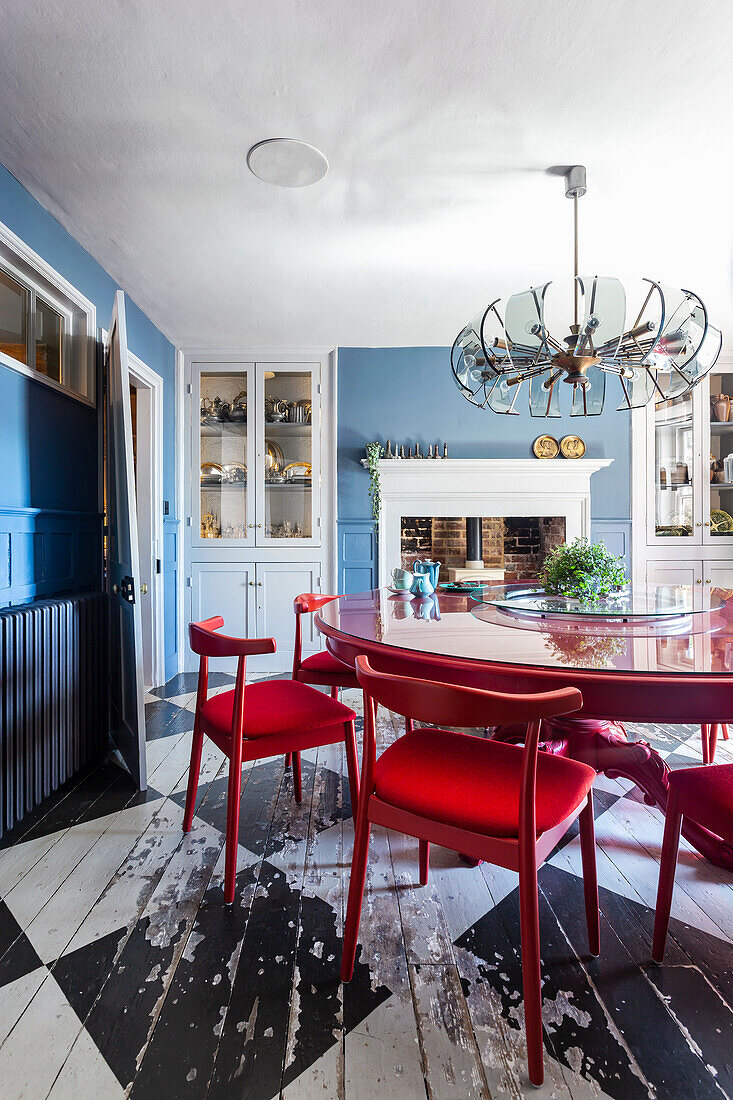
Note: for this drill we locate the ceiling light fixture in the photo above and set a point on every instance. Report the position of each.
(287, 162)
(667, 349)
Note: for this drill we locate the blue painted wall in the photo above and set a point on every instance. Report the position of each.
(408, 395)
(48, 442)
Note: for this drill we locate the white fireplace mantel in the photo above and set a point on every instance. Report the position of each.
(481, 487)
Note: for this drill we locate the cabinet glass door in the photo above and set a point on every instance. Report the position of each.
(224, 440)
(719, 513)
(289, 455)
(675, 507)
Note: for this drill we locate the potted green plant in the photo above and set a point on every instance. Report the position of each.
(583, 571)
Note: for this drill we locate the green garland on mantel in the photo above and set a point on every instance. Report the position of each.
(374, 452)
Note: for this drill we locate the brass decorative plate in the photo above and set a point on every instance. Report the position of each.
(572, 446)
(545, 446)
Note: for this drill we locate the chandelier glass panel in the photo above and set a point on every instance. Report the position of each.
(665, 350)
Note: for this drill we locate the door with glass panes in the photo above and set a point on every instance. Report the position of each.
(288, 455)
(674, 508)
(224, 433)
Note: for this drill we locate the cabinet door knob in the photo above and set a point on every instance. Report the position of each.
(708, 581)
(251, 584)
(706, 525)
(698, 525)
(259, 524)
(698, 582)
(259, 584)
(250, 524)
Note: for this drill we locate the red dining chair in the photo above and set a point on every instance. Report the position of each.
(256, 721)
(492, 801)
(321, 669)
(704, 794)
(709, 732)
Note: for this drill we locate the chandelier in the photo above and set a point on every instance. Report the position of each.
(666, 350)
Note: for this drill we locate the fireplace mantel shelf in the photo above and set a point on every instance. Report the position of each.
(482, 487)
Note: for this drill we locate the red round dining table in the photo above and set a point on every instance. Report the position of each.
(673, 671)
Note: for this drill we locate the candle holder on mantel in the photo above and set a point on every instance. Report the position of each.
(399, 451)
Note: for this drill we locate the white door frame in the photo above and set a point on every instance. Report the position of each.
(150, 450)
(151, 494)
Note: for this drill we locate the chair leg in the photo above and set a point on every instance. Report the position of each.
(529, 920)
(288, 759)
(409, 726)
(713, 741)
(297, 782)
(590, 879)
(705, 734)
(356, 895)
(670, 846)
(424, 861)
(334, 692)
(724, 728)
(234, 791)
(352, 763)
(193, 776)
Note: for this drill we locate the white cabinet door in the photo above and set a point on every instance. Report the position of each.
(278, 583)
(718, 574)
(288, 455)
(223, 455)
(674, 572)
(226, 589)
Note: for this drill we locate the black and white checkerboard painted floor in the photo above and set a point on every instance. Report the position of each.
(122, 972)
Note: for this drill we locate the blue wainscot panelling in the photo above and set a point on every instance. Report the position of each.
(48, 553)
(616, 534)
(357, 555)
(170, 595)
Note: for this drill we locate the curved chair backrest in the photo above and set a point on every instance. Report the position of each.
(451, 705)
(440, 704)
(305, 604)
(207, 643)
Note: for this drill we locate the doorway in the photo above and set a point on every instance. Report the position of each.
(146, 404)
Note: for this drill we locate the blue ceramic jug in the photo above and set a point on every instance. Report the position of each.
(421, 585)
(428, 568)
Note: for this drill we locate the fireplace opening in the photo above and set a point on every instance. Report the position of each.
(512, 548)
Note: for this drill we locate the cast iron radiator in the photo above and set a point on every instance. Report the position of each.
(53, 701)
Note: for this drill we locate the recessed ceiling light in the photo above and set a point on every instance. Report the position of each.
(287, 162)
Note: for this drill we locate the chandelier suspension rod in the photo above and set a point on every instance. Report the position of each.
(575, 188)
(575, 256)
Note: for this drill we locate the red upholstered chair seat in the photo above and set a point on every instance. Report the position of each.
(326, 662)
(276, 706)
(471, 783)
(706, 795)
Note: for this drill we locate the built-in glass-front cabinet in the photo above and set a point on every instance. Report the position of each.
(259, 446)
(682, 488)
(260, 483)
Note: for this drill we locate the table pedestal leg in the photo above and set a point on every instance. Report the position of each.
(604, 745)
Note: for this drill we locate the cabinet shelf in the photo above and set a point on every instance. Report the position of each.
(283, 430)
(720, 428)
(224, 428)
(239, 486)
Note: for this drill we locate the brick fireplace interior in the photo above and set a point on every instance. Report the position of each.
(518, 545)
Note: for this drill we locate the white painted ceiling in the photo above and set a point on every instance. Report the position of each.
(131, 121)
